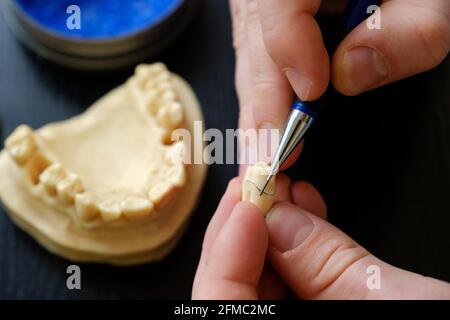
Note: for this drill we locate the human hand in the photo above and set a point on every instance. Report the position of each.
(279, 47)
(312, 257)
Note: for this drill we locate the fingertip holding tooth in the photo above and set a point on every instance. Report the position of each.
(136, 207)
(254, 179)
(109, 210)
(21, 144)
(68, 188)
(85, 207)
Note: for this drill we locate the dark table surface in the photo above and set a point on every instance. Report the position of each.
(385, 177)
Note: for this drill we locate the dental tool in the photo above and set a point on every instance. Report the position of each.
(303, 115)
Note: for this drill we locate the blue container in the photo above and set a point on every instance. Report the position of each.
(97, 34)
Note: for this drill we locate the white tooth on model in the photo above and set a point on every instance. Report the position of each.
(161, 193)
(21, 144)
(36, 165)
(176, 152)
(109, 210)
(167, 96)
(150, 98)
(177, 175)
(162, 76)
(163, 87)
(68, 188)
(254, 179)
(153, 69)
(136, 207)
(168, 117)
(51, 176)
(85, 206)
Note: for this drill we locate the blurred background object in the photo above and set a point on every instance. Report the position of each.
(97, 34)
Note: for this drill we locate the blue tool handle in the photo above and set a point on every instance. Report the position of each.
(303, 107)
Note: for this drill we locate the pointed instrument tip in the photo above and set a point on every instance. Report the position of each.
(269, 177)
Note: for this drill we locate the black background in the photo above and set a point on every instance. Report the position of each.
(385, 176)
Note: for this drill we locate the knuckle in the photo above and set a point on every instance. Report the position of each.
(330, 259)
(435, 37)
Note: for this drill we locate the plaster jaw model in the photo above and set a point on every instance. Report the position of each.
(108, 185)
(254, 179)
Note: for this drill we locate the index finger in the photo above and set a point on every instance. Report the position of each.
(294, 41)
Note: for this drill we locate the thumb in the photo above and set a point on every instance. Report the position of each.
(318, 261)
(414, 37)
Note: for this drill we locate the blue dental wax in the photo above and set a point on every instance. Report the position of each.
(100, 19)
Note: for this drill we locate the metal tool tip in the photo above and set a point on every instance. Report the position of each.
(269, 177)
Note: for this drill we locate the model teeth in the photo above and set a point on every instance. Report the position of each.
(51, 177)
(145, 70)
(109, 210)
(85, 207)
(154, 88)
(161, 193)
(68, 188)
(21, 144)
(36, 165)
(176, 152)
(136, 207)
(170, 115)
(177, 175)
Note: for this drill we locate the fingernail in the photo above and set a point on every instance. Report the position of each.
(288, 226)
(364, 68)
(301, 84)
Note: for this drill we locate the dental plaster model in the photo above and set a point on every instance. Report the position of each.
(254, 179)
(108, 186)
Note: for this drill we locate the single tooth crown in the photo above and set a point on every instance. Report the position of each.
(21, 144)
(51, 177)
(254, 179)
(36, 165)
(109, 210)
(85, 207)
(170, 115)
(176, 153)
(68, 188)
(161, 193)
(177, 175)
(136, 207)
